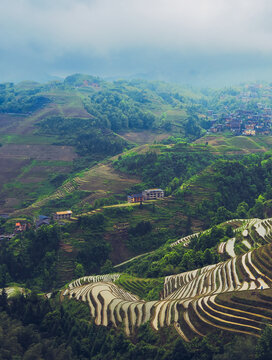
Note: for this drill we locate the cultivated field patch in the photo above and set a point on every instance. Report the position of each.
(144, 137)
(9, 122)
(237, 144)
(103, 177)
(39, 152)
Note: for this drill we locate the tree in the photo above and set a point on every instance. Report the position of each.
(242, 209)
(107, 267)
(79, 270)
(4, 299)
(222, 215)
(264, 346)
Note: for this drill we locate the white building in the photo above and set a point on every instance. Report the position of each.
(151, 194)
(62, 215)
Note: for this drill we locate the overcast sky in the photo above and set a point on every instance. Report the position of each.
(177, 40)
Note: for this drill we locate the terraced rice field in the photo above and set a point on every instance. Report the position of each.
(13, 291)
(234, 295)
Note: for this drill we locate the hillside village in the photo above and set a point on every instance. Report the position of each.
(21, 226)
(252, 114)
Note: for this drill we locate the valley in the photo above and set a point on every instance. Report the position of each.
(190, 268)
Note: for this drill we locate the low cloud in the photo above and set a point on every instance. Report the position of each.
(47, 31)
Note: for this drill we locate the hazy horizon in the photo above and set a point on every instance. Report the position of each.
(202, 42)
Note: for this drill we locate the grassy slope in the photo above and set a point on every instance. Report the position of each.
(169, 218)
(147, 289)
(29, 159)
(227, 144)
(22, 144)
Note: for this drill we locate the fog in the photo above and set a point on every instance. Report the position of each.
(203, 42)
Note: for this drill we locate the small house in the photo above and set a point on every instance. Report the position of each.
(134, 198)
(42, 220)
(19, 227)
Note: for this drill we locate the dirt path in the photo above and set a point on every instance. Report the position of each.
(136, 257)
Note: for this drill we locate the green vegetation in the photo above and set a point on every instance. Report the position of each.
(31, 258)
(27, 139)
(73, 145)
(147, 289)
(168, 169)
(36, 328)
(166, 260)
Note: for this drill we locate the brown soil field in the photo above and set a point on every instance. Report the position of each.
(144, 137)
(40, 173)
(212, 140)
(9, 122)
(11, 202)
(43, 171)
(10, 169)
(104, 177)
(101, 181)
(39, 152)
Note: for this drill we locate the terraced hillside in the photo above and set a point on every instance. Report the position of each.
(98, 182)
(236, 145)
(234, 295)
(50, 131)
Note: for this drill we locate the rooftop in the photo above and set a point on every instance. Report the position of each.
(67, 212)
(154, 190)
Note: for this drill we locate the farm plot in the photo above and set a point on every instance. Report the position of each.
(10, 122)
(110, 304)
(93, 279)
(27, 179)
(144, 137)
(103, 177)
(185, 240)
(38, 152)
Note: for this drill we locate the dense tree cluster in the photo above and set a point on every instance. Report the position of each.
(82, 134)
(164, 261)
(31, 257)
(169, 168)
(242, 189)
(117, 111)
(16, 100)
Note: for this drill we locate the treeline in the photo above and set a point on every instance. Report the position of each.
(167, 169)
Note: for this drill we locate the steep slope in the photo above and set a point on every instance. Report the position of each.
(53, 129)
(196, 302)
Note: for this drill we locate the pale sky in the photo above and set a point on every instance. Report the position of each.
(175, 39)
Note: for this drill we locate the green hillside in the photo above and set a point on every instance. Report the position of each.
(49, 132)
(189, 273)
